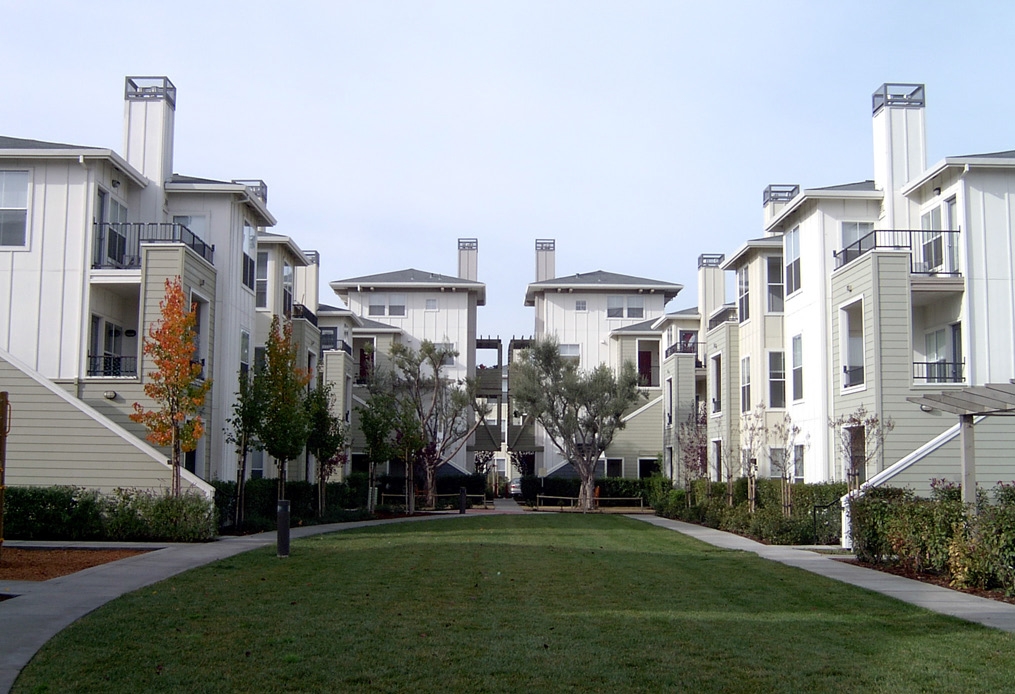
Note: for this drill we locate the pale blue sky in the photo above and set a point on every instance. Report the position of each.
(637, 134)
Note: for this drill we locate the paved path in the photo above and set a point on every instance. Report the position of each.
(999, 615)
(43, 609)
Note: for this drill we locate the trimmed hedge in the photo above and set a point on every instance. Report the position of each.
(565, 486)
(972, 545)
(709, 506)
(72, 513)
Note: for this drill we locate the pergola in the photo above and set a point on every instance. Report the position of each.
(992, 399)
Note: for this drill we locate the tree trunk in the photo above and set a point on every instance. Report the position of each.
(586, 494)
(322, 493)
(281, 479)
(176, 461)
(371, 482)
(729, 489)
(241, 480)
(431, 486)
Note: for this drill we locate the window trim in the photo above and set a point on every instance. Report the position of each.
(25, 245)
(844, 358)
(743, 294)
(770, 285)
(791, 243)
(745, 384)
(772, 381)
(715, 366)
(797, 339)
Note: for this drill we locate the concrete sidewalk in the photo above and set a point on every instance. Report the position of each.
(991, 613)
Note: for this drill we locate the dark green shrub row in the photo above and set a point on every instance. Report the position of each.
(260, 507)
(71, 513)
(708, 505)
(974, 546)
(620, 487)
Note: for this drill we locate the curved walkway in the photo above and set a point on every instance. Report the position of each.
(43, 609)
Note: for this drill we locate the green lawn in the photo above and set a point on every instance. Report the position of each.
(515, 604)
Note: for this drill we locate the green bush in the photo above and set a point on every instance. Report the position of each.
(142, 515)
(53, 513)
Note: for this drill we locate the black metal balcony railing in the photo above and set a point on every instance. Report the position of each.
(118, 244)
(939, 371)
(301, 311)
(726, 315)
(931, 252)
(345, 347)
(112, 366)
(852, 376)
(695, 348)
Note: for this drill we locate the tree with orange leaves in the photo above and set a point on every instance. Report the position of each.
(175, 384)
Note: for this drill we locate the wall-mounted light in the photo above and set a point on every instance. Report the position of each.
(109, 395)
(926, 408)
(937, 191)
(116, 184)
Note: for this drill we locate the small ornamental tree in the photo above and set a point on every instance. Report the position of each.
(284, 425)
(580, 411)
(377, 421)
(754, 435)
(242, 432)
(326, 438)
(860, 438)
(175, 384)
(692, 438)
(784, 437)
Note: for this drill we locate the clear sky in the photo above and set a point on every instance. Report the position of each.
(637, 134)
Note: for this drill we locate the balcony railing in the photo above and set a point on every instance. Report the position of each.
(118, 244)
(301, 311)
(112, 366)
(852, 376)
(939, 371)
(695, 348)
(931, 252)
(780, 192)
(726, 315)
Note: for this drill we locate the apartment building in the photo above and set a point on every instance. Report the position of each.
(605, 318)
(88, 237)
(408, 307)
(872, 293)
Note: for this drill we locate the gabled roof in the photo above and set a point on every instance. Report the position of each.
(862, 190)
(178, 183)
(683, 314)
(1003, 159)
(600, 280)
(646, 326)
(368, 325)
(740, 255)
(19, 143)
(16, 147)
(283, 240)
(409, 279)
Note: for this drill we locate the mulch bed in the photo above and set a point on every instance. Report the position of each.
(17, 564)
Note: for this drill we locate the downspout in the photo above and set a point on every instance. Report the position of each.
(86, 276)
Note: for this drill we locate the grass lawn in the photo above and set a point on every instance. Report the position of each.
(515, 604)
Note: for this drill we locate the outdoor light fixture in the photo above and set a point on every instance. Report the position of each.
(926, 408)
(109, 395)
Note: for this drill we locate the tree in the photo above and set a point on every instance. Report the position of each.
(326, 437)
(580, 411)
(754, 434)
(175, 384)
(784, 438)
(445, 411)
(377, 423)
(284, 425)
(483, 462)
(242, 432)
(692, 444)
(860, 437)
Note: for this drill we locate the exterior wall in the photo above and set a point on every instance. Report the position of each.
(678, 407)
(56, 439)
(641, 438)
(724, 426)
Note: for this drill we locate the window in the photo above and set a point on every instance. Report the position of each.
(776, 379)
(614, 307)
(287, 289)
(198, 225)
(256, 464)
(791, 251)
(798, 463)
(635, 307)
(13, 208)
(798, 367)
(261, 280)
(378, 305)
(259, 358)
(669, 402)
(329, 338)
(932, 243)
(449, 349)
(244, 352)
(775, 285)
(614, 467)
(717, 457)
(431, 304)
(571, 352)
(717, 384)
(745, 384)
(743, 294)
(249, 254)
(581, 305)
(937, 358)
(853, 233)
(396, 305)
(852, 348)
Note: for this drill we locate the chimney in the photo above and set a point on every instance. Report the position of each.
(900, 147)
(711, 286)
(149, 117)
(774, 200)
(468, 256)
(546, 266)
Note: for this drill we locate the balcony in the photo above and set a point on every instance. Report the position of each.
(931, 252)
(117, 245)
(939, 371)
(301, 311)
(779, 192)
(112, 366)
(726, 315)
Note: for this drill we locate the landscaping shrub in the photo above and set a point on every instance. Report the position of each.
(53, 513)
(143, 515)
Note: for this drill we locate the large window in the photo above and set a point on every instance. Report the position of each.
(854, 232)
(614, 307)
(852, 347)
(745, 384)
(791, 251)
(717, 384)
(249, 254)
(261, 280)
(776, 379)
(396, 305)
(798, 464)
(635, 307)
(13, 208)
(287, 289)
(776, 288)
(798, 367)
(571, 352)
(244, 352)
(743, 293)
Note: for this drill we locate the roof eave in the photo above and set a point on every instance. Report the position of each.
(80, 154)
(811, 194)
(254, 202)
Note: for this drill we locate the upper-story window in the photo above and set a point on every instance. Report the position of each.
(614, 307)
(791, 251)
(745, 384)
(387, 304)
(776, 288)
(13, 208)
(287, 288)
(261, 280)
(378, 305)
(249, 254)
(717, 384)
(776, 379)
(743, 293)
(852, 344)
(329, 338)
(449, 352)
(635, 307)
(581, 305)
(798, 367)
(396, 305)
(431, 304)
(244, 352)
(571, 352)
(854, 232)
